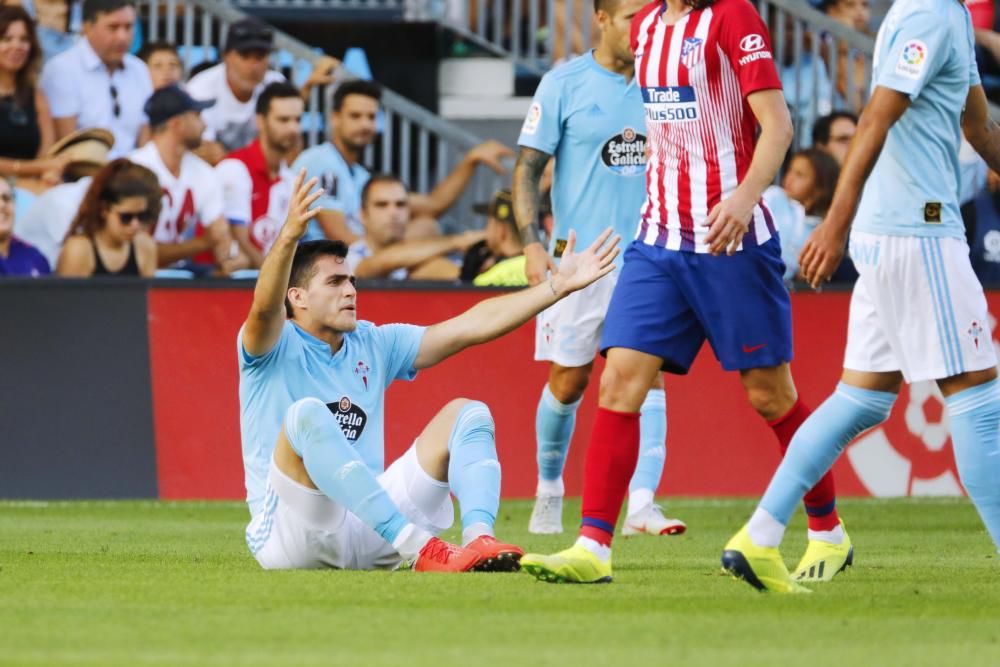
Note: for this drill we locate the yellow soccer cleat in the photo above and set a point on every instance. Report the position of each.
(761, 567)
(822, 561)
(575, 565)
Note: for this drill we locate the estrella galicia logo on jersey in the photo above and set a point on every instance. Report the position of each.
(691, 51)
(350, 417)
(625, 153)
(670, 104)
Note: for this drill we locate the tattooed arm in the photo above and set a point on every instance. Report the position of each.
(526, 195)
(981, 130)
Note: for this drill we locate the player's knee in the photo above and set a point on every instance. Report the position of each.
(771, 402)
(471, 414)
(304, 418)
(569, 387)
(622, 389)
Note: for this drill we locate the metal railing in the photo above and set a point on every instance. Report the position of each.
(415, 144)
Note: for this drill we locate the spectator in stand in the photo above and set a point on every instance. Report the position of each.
(191, 226)
(17, 258)
(337, 165)
(26, 129)
(833, 133)
(57, 23)
(98, 83)
(801, 201)
(498, 260)
(237, 81)
(110, 235)
(256, 180)
(164, 64)
(855, 14)
(383, 252)
(47, 221)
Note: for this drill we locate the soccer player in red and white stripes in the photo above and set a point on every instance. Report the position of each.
(705, 263)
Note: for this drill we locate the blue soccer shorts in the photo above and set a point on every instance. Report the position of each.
(668, 302)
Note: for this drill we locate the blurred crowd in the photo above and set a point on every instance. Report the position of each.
(113, 164)
(116, 164)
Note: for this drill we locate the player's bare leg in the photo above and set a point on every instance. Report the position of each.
(457, 448)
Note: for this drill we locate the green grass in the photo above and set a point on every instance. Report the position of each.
(141, 583)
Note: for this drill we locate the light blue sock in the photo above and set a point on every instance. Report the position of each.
(652, 442)
(554, 422)
(473, 469)
(336, 469)
(975, 435)
(847, 413)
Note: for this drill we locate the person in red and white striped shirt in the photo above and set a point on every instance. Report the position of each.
(705, 263)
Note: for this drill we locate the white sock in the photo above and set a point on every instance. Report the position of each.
(764, 529)
(410, 541)
(595, 547)
(835, 536)
(474, 531)
(639, 501)
(550, 487)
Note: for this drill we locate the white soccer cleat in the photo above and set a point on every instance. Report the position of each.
(652, 522)
(546, 517)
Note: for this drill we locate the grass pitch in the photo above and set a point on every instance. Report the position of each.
(141, 583)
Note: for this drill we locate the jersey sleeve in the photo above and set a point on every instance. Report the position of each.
(237, 191)
(745, 40)
(211, 207)
(974, 78)
(542, 128)
(916, 50)
(399, 344)
(248, 362)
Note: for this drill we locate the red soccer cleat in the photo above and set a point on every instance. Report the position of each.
(495, 556)
(440, 556)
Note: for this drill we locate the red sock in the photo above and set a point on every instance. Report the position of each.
(611, 457)
(821, 500)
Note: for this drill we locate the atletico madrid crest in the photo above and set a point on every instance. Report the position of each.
(691, 51)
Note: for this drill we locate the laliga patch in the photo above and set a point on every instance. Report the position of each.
(912, 59)
(532, 119)
(350, 417)
(625, 153)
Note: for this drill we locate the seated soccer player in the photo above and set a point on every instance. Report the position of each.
(312, 391)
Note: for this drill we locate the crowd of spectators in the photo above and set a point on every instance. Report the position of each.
(114, 164)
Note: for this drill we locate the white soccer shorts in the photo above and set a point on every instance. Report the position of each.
(301, 528)
(917, 307)
(569, 331)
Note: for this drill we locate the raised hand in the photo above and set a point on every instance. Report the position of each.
(491, 153)
(577, 270)
(299, 208)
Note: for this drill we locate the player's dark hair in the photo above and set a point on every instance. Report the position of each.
(93, 8)
(304, 263)
(825, 174)
(117, 180)
(278, 90)
(374, 180)
(823, 125)
(699, 4)
(148, 49)
(356, 87)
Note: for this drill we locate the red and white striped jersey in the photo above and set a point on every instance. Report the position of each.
(695, 77)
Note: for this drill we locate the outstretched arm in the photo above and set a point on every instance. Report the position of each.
(267, 314)
(494, 317)
(447, 192)
(824, 249)
(526, 195)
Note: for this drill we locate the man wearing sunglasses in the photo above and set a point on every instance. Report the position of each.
(98, 83)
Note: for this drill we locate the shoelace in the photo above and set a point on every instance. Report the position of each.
(440, 551)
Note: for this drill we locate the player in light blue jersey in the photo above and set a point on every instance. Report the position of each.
(588, 114)
(312, 391)
(918, 312)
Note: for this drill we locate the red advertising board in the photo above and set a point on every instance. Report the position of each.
(716, 444)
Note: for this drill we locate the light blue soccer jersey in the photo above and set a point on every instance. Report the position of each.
(351, 382)
(592, 121)
(341, 182)
(925, 50)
